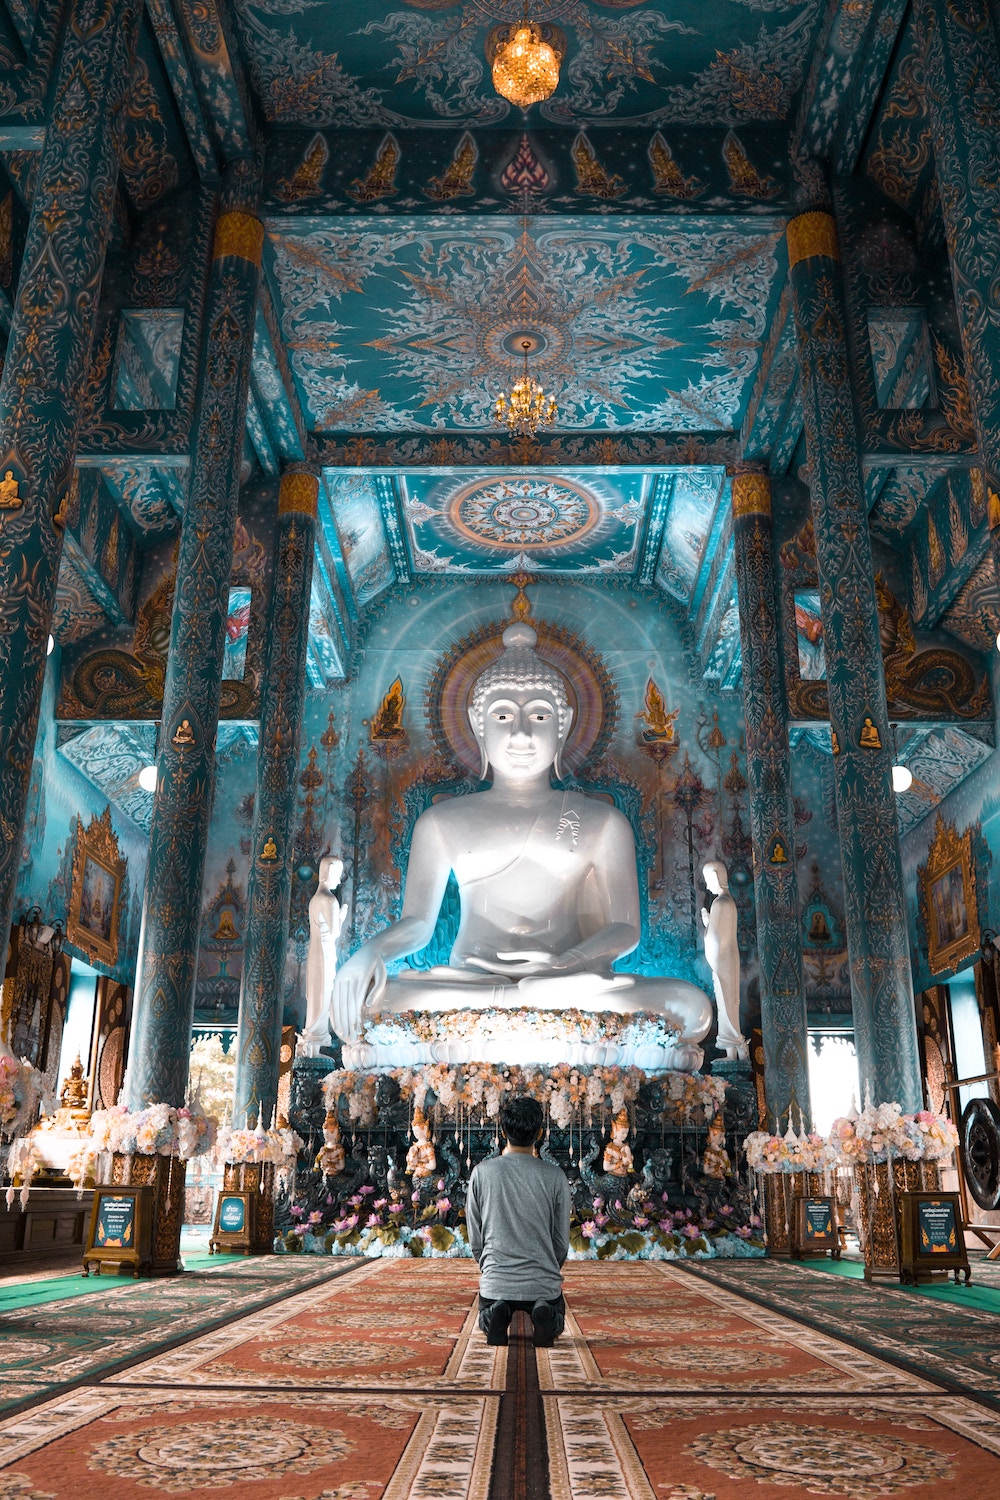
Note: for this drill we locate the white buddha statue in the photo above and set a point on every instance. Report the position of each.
(547, 880)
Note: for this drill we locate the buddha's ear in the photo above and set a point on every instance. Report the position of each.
(484, 764)
(567, 725)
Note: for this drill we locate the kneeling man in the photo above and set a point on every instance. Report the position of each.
(517, 1213)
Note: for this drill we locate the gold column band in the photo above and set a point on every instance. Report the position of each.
(811, 234)
(751, 495)
(239, 234)
(299, 492)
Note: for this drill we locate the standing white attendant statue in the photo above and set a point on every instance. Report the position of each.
(723, 955)
(326, 918)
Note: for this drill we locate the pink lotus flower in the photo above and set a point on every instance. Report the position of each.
(692, 1231)
(640, 1221)
(588, 1230)
(366, 1192)
(600, 1220)
(380, 1203)
(443, 1205)
(397, 1208)
(744, 1231)
(315, 1217)
(372, 1221)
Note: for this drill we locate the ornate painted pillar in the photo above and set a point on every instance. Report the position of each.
(270, 886)
(182, 805)
(961, 59)
(44, 375)
(875, 911)
(772, 815)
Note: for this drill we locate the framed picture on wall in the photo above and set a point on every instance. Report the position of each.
(95, 897)
(949, 892)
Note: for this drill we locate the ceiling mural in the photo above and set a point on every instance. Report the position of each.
(418, 324)
(111, 756)
(400, 63)
(570, 523)
(693, 505)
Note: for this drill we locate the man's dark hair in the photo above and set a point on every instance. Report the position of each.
(521, 1119)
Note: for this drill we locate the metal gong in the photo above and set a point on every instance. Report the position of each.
(980, 1150)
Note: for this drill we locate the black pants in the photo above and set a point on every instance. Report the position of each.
(559, 1303)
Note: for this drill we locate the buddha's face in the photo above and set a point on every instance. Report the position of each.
(521, 732)
(330, 872)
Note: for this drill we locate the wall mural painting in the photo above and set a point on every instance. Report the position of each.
(407, 62)
(360, 536)
(948, 898)
(220, 950)
(95, 894)
(413, 325)
(119, 673)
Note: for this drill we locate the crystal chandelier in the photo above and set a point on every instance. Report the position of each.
(525, 407)
(525, 67)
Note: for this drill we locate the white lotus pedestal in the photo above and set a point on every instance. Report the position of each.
(880, 1188)
(164, 1175)
(780, 1190)
(244, 1215)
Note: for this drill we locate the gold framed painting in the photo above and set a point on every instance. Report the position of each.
(95, 895)
(949, 890)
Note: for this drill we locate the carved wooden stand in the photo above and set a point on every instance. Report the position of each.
(165, 1175)
(879, 1224)
(256, 1178)
(780, 1191)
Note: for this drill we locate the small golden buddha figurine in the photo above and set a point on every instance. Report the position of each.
(332, 1158)
(618, 1160)
(10, 498)
(778, 855)
(834, 742)
(420, 1159)
(869, 736)
(184, 734)
(73, 1094)
(226, 930)
(715, 1162)
(270, 849)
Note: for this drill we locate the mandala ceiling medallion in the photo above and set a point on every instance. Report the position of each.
(525, 407)
(525, 60)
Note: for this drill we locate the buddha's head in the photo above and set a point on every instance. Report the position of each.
(331, 871)
(716, 877)
(520, 711)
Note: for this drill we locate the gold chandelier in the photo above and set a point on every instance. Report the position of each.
(525, 67)
(525, 407)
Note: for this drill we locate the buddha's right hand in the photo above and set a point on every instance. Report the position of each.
(362, 980)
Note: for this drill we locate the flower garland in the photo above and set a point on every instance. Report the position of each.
(881, 1132)
(642, 1028)
(279, 1146)
(157, 1130)
(773, 1154)
(22, 1090)
(568, 1093)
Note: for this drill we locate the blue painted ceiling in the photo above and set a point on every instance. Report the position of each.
(398, 63)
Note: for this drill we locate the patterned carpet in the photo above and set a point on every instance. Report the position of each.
(377, 1385)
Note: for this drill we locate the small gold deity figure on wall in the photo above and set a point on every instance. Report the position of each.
(618, 1160)
(715, 1162)
(420, 1159)
(332, 1158)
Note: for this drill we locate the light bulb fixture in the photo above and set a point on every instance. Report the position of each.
(524, 61)
(998, 641)
(525, 407)
(147, 778)
(50, 645)
(902, 776)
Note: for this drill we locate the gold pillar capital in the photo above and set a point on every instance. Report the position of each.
(814, 233)
(239, 234)
(299, 492)
(751, 493)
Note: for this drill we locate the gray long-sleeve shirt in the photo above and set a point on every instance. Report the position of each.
(517, 1211)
